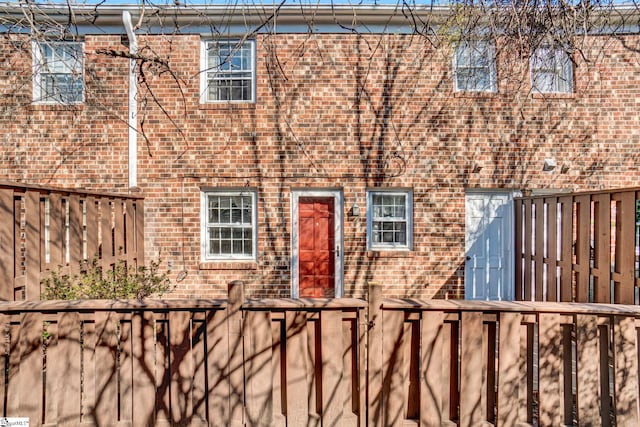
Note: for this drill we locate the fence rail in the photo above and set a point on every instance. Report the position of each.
(43, 228)
(348, 362)
(580, 247)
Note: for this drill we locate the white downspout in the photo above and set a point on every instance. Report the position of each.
(133, 103)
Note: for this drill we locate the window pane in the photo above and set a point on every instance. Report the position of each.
(230, 71)
(389, 219)
(59, 74)
(551, 70)
(231, 225)
(474, 66)
(225, 247)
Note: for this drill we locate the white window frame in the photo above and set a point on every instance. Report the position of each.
(484, 46)
(408, 194)
(561, 69)
(39, 66)
(204, 218)
(208, 73)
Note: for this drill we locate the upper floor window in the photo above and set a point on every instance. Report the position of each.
(58, 72)
(229, 225)
(389, 219)
(475, 66)
(551, 71)
(229, 71)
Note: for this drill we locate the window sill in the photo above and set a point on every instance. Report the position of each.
(475, 94)
(75, 106)
(228, 265)
(230, 105)
(387, 253)
(553, 95)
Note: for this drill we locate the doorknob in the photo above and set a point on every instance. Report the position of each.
(468, 258)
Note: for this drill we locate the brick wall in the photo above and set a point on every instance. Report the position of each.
(345, 112)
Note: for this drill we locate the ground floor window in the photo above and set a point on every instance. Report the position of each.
(229, 225)
(389, 219)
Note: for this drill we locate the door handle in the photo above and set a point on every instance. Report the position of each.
(468, 258)
(338, 251)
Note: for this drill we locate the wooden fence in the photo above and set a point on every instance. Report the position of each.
(580, 247)
(44, 228)
(342, 362)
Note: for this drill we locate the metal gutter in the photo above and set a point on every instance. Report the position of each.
(241, 18)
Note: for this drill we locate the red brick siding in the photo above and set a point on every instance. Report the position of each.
(332, 111)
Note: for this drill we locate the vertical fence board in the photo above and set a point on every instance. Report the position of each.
(93, 224)
(510, 411)
(89, 372)
(13, 376)
(118, 234)
(32, 231)
(7, 245)
(217, 357)
(352, 384)
(432, 330)
(278, 370)
(583, 248)
(602, 247)
(199, 360)
(106, 231)
(162, 352)
(472, 378)
(393, 392)
(540, 235)
(552, 249)
(332, 367)
(297, 368)
(313, 369)
(142, 324)
(29, 379)
(129, 232)
(54, 374)
(588, 370)
(360, 370)
(566, 250)
(625, 247)
(126, 370)
(258, 380)
(625, 347)
(75, 233)
(374, 356)
(181, 365)
(107, 378)
(69, 401)
(236, 373)
(551, 371)
(139, 231)
(56, 231)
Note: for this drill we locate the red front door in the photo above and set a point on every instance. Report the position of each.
(316, 234)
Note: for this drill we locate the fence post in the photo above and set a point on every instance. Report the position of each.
(374, 356)
(236, 360)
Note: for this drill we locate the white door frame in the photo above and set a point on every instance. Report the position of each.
(510, 242)
(339, 241)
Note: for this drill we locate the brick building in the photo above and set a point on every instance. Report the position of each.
(309, 151)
